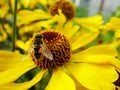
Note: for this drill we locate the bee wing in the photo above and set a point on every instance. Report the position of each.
(46, 52)
(27, 54)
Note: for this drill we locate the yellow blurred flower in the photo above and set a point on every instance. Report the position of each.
(12, 4)
(90, 33)
(68, 9)
(4, 32)
(113, 25)
(32, 21)
(92, 69)
(3, 35)
(46, 3)
(23, 45)
(4, 7)
(33, 3)
(36, 20)
(29, 3)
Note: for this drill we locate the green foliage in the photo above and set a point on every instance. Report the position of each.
(81, 12)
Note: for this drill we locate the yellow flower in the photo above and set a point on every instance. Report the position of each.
(68, 9)
(4, 32)
(94, 68)
(4, 7)
(46, 3)
(113, 25)
(29, 3)
(3, 35)
(37, 19)
(35, 23)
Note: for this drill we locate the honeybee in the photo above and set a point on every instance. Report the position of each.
(40, 48)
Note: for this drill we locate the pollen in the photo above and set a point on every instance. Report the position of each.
(59, 48)
(67, 7)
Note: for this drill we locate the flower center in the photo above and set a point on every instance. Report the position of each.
(51, 50)
(67, 8)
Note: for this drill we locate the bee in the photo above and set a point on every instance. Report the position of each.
(40, 48)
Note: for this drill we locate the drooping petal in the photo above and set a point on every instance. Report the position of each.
(94, 76)
(60, 81)
(85, 39)
(22, 86)
(13, 73)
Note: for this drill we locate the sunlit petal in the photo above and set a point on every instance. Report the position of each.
(117, 34)
(27, 16)
(13, 73)
(12, 60)
(94, 76)
(9, 57)
(94, 21)
(113, 24)
(22, 86)
(23, 45)
(98, 54)
(60, 81)
(85, 39)
(69, 29)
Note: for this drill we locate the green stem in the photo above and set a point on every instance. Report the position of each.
(10, 7)
(14, 25)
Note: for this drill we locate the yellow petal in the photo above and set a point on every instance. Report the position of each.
(61, 19)
(22, 86)
(4, 9)
(117, 34)
(12, 60)
(99, 54)
(113, 24)
(97, 50)
(60, 81)
(23, 45)
(27, 16)
(13, 73)
(94, 76)
(85, 39)
(9, 57)
(3, 35)
(35, 27)
(94, 21)
(69, 29)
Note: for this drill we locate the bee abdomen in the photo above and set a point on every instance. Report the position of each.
(38, 42)
(36, 49)
(37, 55)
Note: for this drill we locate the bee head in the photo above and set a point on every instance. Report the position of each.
(38, 36)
